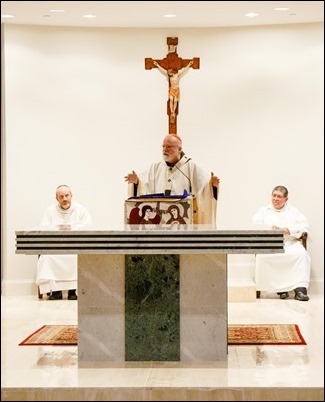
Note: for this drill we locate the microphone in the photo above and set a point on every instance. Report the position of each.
(189, 180)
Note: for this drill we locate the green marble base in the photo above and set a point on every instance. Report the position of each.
(152, 311)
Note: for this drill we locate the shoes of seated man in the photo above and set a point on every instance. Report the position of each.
(301, 294)
(283, 295)
(72, 294)
(56, 295)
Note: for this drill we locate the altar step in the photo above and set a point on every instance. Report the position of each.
(163, 393)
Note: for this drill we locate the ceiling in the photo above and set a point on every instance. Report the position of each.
(149, 14)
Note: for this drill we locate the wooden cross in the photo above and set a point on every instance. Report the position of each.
(173, 67)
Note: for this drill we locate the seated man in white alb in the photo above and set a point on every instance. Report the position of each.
(280, 272)
(59, 272)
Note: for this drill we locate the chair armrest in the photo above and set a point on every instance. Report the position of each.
(303, 239)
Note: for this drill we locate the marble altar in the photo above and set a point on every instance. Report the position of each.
(113, 298)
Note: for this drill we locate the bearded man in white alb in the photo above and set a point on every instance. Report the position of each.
(282, 273)
(176, 173)
(60, 272)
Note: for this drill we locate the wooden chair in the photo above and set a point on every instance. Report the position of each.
(40, 295)
(303, 239)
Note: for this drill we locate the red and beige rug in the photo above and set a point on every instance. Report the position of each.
(258, 334)
(265, 334)
(53, 335)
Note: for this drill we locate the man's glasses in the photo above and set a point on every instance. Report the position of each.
(169, 146)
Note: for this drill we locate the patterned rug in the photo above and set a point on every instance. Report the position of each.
(59, 335)
(259, 334)
(265, 334)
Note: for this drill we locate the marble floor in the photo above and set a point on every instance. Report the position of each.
(292, 373)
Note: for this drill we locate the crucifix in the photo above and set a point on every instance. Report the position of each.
(173, 67)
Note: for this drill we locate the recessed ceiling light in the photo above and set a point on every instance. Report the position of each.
(7, 16)
(169, 15)
(281, 8)
(251, 15)
(89, 16)
(57, 11)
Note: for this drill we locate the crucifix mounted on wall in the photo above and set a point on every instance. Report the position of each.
(173, 68)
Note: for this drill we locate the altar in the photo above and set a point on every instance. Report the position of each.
(176, 311)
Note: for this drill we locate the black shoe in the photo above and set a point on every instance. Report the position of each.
(283, 295)
(72, 294)
(56, 295)
(301, 294)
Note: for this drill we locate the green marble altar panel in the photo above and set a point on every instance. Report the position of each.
(152, 309)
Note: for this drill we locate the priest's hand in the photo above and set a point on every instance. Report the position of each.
(214, 180)
(132, 178)
(286, 231)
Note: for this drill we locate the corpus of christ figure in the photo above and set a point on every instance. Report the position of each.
(173, 68)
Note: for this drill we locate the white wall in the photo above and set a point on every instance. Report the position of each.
(81, 109)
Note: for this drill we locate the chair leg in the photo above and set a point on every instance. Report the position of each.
(258, 294)
(40, 296)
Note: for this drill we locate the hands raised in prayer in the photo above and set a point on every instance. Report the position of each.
(133, 178)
